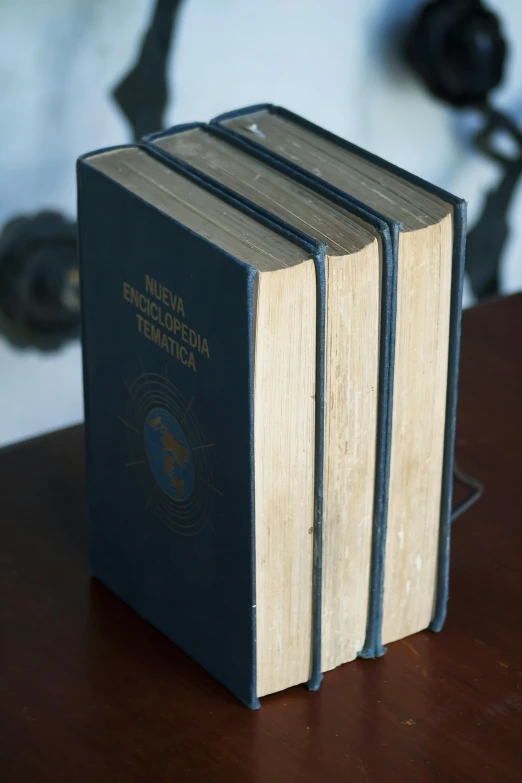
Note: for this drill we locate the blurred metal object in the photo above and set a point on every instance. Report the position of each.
(39, 277)
(458, 49)
(39, 285)
(142, 94)
(487, 238)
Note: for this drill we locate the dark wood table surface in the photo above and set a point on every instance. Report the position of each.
(90, 693)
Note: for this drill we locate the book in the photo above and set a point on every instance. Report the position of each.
(430, 255)
(202, 328)
(360, 273)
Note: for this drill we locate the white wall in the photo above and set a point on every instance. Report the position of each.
(329, 60)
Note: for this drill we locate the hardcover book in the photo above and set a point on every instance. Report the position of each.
(359, 279)
(202, 340)
(429, 246)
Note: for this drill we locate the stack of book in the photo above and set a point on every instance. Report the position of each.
(270, 339)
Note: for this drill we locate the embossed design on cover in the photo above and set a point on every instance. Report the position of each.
(169, 453)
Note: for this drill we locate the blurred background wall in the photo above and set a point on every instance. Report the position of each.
(334, 61)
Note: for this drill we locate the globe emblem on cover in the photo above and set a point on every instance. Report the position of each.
(169, 454)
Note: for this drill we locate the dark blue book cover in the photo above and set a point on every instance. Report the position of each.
(385, 229)
(253, 139)
(168, 337)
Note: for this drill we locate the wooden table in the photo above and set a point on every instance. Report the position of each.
(90, 693)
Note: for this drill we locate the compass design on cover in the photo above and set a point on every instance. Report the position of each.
(169, 453)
